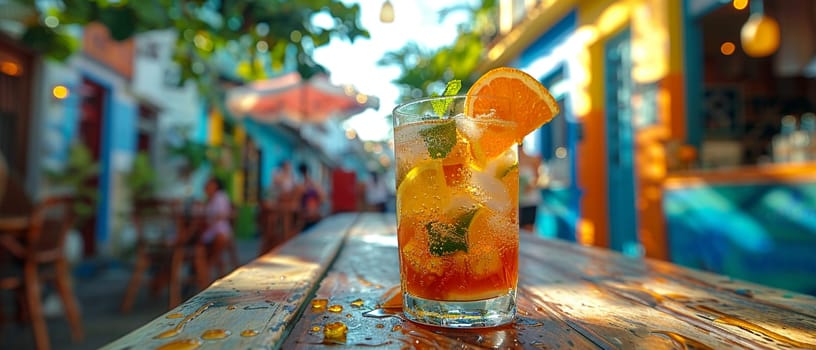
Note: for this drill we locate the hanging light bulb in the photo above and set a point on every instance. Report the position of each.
(387, 12)
(760, 34)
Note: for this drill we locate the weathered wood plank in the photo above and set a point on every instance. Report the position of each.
(671, 301)
(367, 268)
(710, 282)
(254, 306)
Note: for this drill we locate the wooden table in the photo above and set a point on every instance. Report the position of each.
(569, 297)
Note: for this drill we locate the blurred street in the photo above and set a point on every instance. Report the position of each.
(99, 286)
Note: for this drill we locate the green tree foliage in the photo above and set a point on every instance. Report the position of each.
(425, 72)
(76, 178)
(142, 178)
(254, 33)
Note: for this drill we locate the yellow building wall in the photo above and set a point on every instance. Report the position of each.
(216, 138)
(657, 58)
(656, 27)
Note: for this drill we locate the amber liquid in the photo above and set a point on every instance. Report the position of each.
(466, 195)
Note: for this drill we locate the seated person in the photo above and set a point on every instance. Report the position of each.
(311, 198)
(283, 183)
(217, 229)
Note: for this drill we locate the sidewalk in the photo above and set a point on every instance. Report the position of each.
(99, 298)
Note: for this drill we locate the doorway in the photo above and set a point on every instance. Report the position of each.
(623, 235)
(559, 151)
(16, 65)
(92, 112)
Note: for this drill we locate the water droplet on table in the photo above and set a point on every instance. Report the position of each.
(215, 334)
(335, 332)
(319, 304)
(249, 333)
(183, 344)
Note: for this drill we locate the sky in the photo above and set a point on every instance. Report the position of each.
(356, 64)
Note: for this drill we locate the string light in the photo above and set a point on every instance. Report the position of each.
(760, 34)
(387, 12)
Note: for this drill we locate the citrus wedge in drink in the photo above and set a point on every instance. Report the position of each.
(532, 106)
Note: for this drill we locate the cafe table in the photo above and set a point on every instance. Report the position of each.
(332, 286)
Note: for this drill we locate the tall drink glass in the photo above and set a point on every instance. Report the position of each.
(457, 211)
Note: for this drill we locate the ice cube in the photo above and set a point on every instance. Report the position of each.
(470, 128)
(490, 192)
(459, 204)
(409, 153)
(500, 165)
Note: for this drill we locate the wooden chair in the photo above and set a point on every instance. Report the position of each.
(278, 221)
(187, 250)
(168, 242)
(268, 227)
(38, 253)
(225, 261)
(157, 222)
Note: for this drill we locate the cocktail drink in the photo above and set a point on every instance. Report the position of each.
(457, 210)
(457, 200)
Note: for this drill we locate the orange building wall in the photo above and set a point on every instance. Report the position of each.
(657, 32)
(663, 66)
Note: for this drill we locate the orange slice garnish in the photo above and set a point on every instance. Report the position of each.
(529, 104)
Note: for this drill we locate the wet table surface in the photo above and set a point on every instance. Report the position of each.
(340, 274)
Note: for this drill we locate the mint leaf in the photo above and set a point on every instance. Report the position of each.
(440, 106)
(452, 88)
(440, 138)
(446, 239)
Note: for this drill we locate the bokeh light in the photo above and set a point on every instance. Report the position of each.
(727, 48)
(60, 92)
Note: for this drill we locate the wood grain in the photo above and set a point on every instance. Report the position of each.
(258, 300)
(569, 296)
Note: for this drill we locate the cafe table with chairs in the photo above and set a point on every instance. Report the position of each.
(33, 254)
(337, 284)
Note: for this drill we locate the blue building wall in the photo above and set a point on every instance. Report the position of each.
(764, 233)
(118, 139)
(559, 210)
(275, 144)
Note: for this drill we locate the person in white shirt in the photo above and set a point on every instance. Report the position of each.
(283, 182)
(218, 210)
(376, 192)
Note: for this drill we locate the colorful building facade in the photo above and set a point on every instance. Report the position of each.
(663, 147)
(618, 78)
